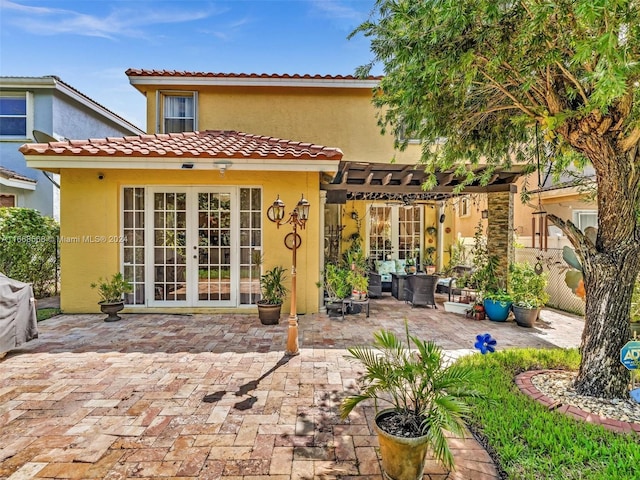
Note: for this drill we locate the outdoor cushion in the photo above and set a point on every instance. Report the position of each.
(386, 267)
(400, 265)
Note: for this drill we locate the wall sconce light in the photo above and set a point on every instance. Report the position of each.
(223, 165)
(485, 213)
(187, 166)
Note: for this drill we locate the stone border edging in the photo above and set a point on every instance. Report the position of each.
(526, 386)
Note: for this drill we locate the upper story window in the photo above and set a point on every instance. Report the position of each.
(15, 120)
(464, 207)
(177, 112)
(585, 218)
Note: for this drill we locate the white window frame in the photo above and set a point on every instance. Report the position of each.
(578, 214)
(162, 94)
(464, 207)
(395, 229)
(28, 96)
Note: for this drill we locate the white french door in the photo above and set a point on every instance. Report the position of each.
(394, 231)
(194, 246)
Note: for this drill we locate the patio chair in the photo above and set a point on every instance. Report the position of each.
(420, 290)
(375, 285)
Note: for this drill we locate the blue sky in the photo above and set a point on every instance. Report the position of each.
(90, 43)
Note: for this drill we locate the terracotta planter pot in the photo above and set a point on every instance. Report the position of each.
(269, 314)
(111, 309)
(402, 458)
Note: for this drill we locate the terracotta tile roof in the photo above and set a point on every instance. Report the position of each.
(11, 175)
(134, 72)
(206, 144)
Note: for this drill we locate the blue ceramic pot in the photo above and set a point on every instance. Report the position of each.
(497, 311)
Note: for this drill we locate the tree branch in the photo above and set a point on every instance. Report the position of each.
(505, 92)
(575, 81)
(632, 140)
(583, 246)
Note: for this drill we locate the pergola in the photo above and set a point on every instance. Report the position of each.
(404, 183)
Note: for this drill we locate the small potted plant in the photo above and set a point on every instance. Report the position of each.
(429, 263)
(273, 292)
(359, 285)
(409, 266)
(497, 304)
(426, 395)
(336, 286)
(111, 292)
(528, 292)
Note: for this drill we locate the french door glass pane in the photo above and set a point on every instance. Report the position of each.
(133, 248)
(380, 244)
(214, 246)
(409, 232)
(250, 244)
(170, 239)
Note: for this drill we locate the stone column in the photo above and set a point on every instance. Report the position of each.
(322, 221)
(500, 230)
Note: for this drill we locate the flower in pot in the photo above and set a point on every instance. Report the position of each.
(528, 292)
(111, 291)
(426, 398)
(273, 292)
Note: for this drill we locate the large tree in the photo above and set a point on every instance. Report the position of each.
(481, 79)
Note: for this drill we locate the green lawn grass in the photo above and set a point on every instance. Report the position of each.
(44, 313)
(530, 442)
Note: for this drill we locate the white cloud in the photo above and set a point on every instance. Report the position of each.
(120, 22)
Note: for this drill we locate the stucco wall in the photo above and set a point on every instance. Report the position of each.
(91, 207)
(343, 118)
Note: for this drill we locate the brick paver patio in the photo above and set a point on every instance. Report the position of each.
(212, 397)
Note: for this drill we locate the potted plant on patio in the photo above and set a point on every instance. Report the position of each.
(528, 292)
(426, 395)
(111, 291)
(429, 263)
(410, 266)
(359, 284)
(336, 286)
(273, 293)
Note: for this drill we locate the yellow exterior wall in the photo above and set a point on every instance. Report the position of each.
(332, 117)
(91, 208)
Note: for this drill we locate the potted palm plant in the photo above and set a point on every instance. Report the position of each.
(528, 292)
(426, 398)
(111, 291)
(273, 292)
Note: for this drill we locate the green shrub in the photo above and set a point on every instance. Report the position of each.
(28, 248)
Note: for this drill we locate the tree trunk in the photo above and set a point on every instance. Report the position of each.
(610, 265)
(609, 287)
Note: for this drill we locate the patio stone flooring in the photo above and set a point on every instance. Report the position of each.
(212, 396)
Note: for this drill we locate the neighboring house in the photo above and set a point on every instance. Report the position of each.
(183, 210)
(48, 105)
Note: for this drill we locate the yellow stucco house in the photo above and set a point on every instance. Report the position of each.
(182, 211)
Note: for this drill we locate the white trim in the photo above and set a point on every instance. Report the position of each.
(162, 94)
(161, 80)
(15, 183)
(175, 163)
